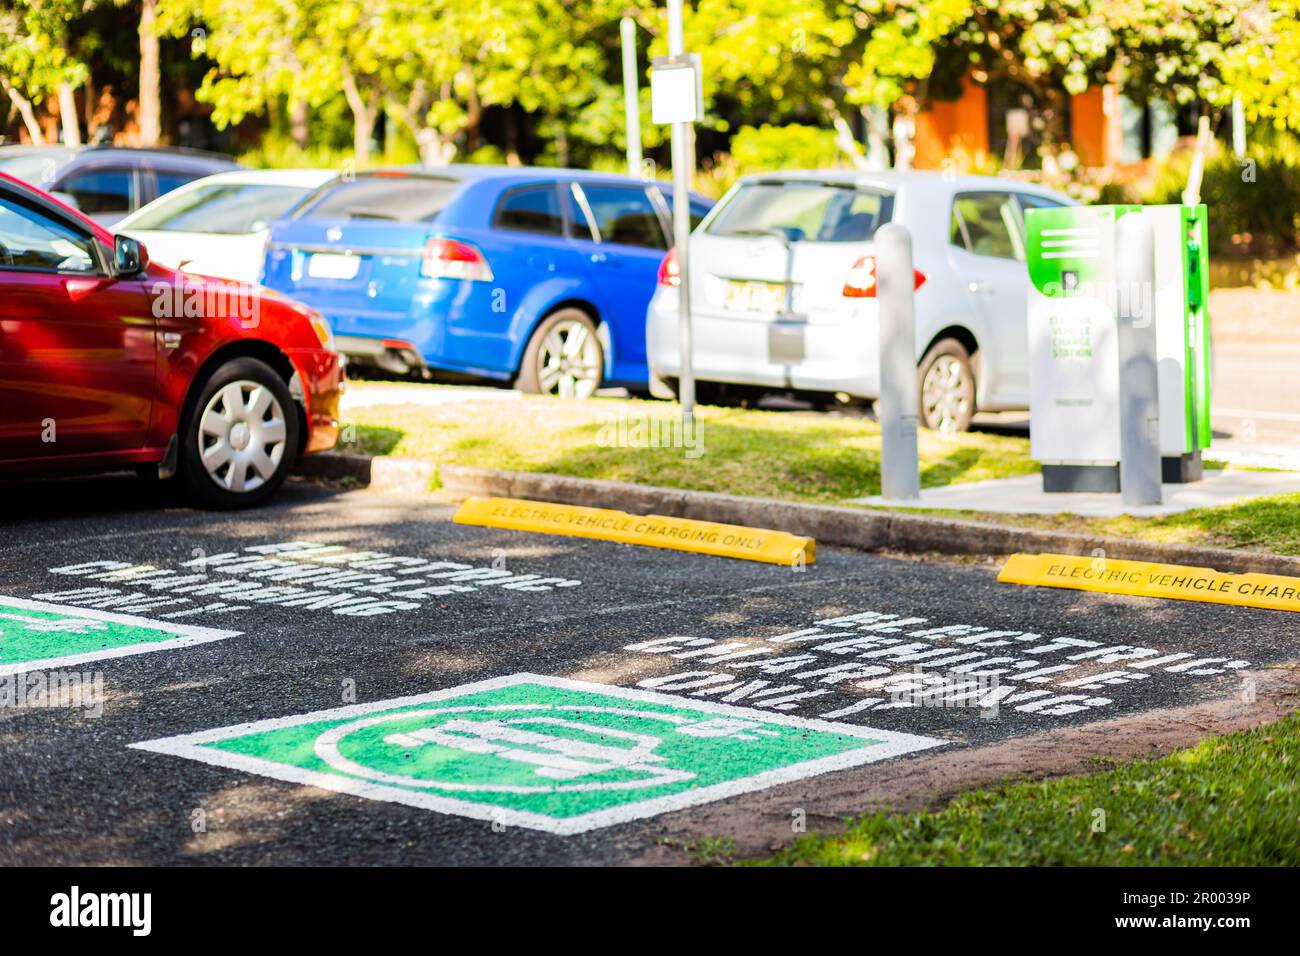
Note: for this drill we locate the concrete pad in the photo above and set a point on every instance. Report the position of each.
(1025, 495)
(369, 394)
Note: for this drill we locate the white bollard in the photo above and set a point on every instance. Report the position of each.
(1139, 383)
(900, 470)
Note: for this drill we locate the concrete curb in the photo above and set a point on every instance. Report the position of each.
(860, 528)
(405, 475)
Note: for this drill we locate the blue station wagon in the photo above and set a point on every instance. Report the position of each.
(540, 277)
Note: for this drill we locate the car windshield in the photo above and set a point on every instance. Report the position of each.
(384, 198)
(222, 208)
(820, 212)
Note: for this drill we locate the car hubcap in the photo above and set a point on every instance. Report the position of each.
(569, 364)
(946, 394)
(242, 436)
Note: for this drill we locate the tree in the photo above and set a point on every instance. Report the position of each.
(1264, 68)
(37, 61)
(305, 51)
(918, 50)
(433, 65)
(449, 60)
(770, 58)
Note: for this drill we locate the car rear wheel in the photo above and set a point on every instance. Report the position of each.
(241, 436)
(563, 358)
(947, 384)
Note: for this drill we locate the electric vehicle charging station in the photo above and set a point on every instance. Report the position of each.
(1075, 305)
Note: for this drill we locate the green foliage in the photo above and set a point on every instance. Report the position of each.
(278, 151)
(435, 67)
(38, 52)
(1254, 203)
(767, 147)
(784, 147)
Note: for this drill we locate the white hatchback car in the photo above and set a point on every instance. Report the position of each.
(218, 225)
(783, 289)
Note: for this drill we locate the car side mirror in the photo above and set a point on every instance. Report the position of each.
(129, 256)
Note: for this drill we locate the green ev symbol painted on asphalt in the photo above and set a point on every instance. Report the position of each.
(34, 634)
(543, 752)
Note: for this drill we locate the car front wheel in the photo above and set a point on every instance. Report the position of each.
(241, 436)
(947, 385)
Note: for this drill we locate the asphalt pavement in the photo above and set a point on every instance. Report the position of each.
(661, 682)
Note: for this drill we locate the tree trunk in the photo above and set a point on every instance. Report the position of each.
(150, 103)
(68, 115)
(365, 110)
(363, 129)
(844, 137)
(1192, 193)
(300, 123)
(434, 150)
(88, 108)
(561, 145)
(512, 138)
(24, 107)
(473, 117)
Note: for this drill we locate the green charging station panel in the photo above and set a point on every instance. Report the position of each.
(1074, 303)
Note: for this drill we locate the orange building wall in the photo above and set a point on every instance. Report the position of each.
(962, 126)
(948, 126)
(1088, 127)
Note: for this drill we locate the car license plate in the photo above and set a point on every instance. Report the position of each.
(328, 265)
(754, 297)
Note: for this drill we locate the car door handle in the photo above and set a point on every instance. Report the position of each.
(980, 289)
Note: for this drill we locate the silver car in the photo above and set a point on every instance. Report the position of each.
(783, 290)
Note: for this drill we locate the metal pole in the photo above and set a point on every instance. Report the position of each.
(900, 472)
(681, 159)
(631, 104)
(1139, 386)
(1238, 128)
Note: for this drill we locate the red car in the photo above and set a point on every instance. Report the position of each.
(110, 362)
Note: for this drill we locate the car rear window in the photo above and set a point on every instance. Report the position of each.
(819, 212)
(229, 209)
(389, 198)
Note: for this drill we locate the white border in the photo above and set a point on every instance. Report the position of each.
(892, 744)
(187, 635)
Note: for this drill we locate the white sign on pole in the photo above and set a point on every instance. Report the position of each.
(676, 89)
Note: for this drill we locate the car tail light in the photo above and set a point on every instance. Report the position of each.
(670, 272)
(860, 283)
(453, 259)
